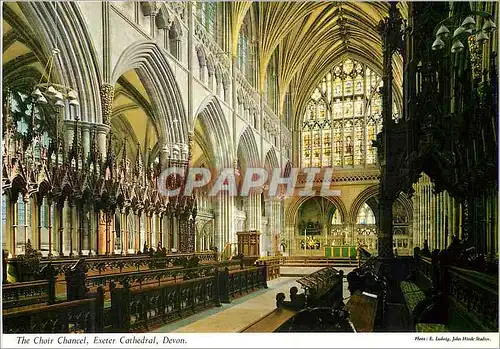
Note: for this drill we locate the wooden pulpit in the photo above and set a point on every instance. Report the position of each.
(249, 243)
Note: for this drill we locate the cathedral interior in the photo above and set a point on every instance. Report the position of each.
(384, 113)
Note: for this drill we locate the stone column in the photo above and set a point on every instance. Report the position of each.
(79, 219)
(164, 155)
(123, 230)
(101, 237)
(270, 225)
(94, 245)
(138, 242)
(385, 237)
(9, 234)
(60, 226)
(224, 231)
(86, 138)
(69, 133)
(49, 228)
(71, 222)
(415, 200)
(102, 131)
(148, 229)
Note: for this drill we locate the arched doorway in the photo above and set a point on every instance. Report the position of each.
(365, 229)
(212, 150)
(319, 223)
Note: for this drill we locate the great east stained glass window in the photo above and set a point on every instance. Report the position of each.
(343, 117)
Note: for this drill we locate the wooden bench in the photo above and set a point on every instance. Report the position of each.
(134, 310)
(318, 319)
(413, 294)
(323, 287)
(272, 267)
(234, 283)
(80, 316)
(24, 294)
(424, 327)
(318, 261)
(456, 299)
(369, 292)
(363, 309)
(270, 322)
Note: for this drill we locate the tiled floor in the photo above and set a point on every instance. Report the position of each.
(240, 313)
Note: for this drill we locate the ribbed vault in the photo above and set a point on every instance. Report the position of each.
(22, 54)
(212, 134)
(311, 36)
(133, 120)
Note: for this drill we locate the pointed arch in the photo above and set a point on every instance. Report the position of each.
(62, 25)
(176, 29)
(363, 197)
(271, 159)
(214, 125)
(159, 80)
(293, 210)
(248, 147)
(370, 196)
(407, 203)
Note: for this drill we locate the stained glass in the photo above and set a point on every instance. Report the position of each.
(348, 88)
(20, 211)
(348, 108)
(329, 87)
(321, 110)
(359, 68)
(316, 150)
(316, 95)
(307, 140)
(337, 109)
(365, 215)
(370, 156)
(4, 211)
(337, 145)
(210, 12)
(336, 218)
(349, 94)
(348, 144)
(358, 107)
(323, 86)
(374, 80)
(348, 65)
(338, 88)
(327, 143)
(358, 86)
(358, 142)
(376, 105)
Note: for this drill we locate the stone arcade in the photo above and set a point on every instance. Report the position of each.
(394, 105)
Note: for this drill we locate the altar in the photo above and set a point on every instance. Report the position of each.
(341, 251)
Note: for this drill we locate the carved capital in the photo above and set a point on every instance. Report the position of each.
(107, 95)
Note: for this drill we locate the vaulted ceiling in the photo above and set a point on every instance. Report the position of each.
(22, 52)
(133, 116)
(310, 37)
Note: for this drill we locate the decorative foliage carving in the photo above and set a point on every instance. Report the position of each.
(107, 95)
(28, 264)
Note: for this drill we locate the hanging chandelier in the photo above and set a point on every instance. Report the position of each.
(464, 31)
(48, 92)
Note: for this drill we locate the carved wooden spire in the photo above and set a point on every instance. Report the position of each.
(110, 158)
(124, 165)
(139, 165)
